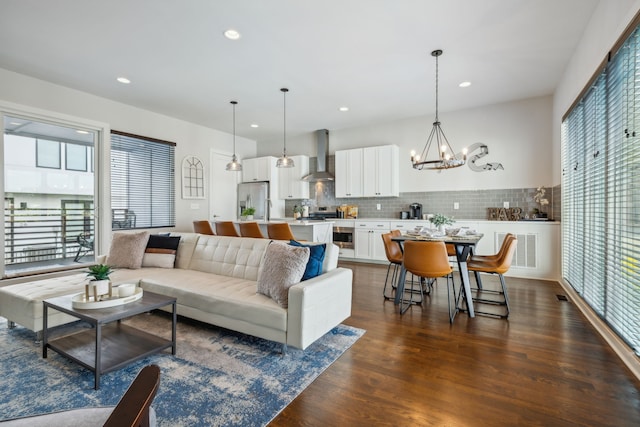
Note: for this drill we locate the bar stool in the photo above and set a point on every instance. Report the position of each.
(394, 255)
(429, 259)
(498, 264)
(280, 231)
(226, 228)
(203, 227)
(250, 229)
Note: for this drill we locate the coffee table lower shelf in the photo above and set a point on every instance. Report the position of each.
(121, 345)
(109, 344)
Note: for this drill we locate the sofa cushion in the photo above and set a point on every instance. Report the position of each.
(161, 251)
(316, 259)
(239, 257)
(127, 249)
(231, 297)
(283, 267)
(187, 245)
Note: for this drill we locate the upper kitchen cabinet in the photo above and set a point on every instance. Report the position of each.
(291, 185)
(258, 169)
(349, 173)
(381, 172)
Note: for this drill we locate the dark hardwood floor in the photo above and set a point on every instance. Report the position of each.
(544, 366)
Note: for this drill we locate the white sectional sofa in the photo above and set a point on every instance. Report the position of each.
(215, 281)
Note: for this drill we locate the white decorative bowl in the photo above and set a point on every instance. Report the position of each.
(126, 290)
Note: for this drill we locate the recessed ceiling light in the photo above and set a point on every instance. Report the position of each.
(232, 34)
(123, 80)
(343, 108)
(254, 125)
(465, 84)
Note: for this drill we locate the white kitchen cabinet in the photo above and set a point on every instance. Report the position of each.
(381, 173)
(291, 185)
(258, 169)
(368, 240)
(349, 173)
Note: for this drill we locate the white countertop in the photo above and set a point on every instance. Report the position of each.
(291, 221)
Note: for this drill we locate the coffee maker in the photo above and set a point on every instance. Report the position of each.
(416, 210)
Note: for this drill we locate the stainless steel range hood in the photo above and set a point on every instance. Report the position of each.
(322, 145)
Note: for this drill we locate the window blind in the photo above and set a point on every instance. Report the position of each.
(601, 194)
(142, 179)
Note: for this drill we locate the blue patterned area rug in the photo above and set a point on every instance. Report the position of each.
(217, 378)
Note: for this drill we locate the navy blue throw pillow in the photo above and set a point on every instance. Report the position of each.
(316, 258)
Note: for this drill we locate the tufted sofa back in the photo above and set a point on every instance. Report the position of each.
(229, 256)
(239, 257)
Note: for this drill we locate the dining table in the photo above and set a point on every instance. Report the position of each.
(464, 246)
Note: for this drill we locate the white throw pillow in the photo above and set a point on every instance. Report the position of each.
(283, 267)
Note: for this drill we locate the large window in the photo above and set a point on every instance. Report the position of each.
(49, 221)
(601, 193)
(142, 182)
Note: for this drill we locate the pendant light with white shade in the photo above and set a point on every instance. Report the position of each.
(235, 165)
(284, 161)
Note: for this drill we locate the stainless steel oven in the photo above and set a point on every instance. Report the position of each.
(343, 237)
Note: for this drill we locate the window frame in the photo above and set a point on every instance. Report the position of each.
(142, 181)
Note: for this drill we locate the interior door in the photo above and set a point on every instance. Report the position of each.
(223, 187)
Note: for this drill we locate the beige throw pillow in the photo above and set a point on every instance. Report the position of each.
(127, 249)
(283, 267)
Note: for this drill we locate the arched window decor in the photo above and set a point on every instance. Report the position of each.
(192, 178)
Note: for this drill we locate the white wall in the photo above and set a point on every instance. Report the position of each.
(608, 22)
(191, 139)
(517, 133)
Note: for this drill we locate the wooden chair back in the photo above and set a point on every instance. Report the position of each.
(426, 258)
(203, 227)
(133, 408)
(251, 229)
(391, 248)
(280, 231)
(226, 228)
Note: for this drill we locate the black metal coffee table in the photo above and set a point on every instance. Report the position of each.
(109, 345)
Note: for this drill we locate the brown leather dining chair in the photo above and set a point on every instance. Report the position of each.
(280, 231)
(251, 229)
(394, 255)
(203, 227)
(226, 228)
(494, 264)
(429, 259)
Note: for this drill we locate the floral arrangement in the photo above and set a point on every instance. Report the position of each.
(539, 197)
(439, 219)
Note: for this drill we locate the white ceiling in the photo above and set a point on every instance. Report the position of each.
(370, 55)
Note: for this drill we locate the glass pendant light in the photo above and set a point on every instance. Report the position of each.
(235, 165)
(284, 161)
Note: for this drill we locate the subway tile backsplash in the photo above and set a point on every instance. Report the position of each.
(472, 204)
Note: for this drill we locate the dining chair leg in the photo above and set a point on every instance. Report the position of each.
(411, 292)
(506, 295)
(394, 278)
(453, 309)
(504, 301)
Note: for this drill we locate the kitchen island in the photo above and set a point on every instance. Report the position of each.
(311, 231)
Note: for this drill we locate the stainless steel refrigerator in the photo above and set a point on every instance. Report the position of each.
(254, 195)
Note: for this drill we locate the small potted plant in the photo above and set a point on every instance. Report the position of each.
(100, 285)
(247, 214)
(440, 220)
(297, 211)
